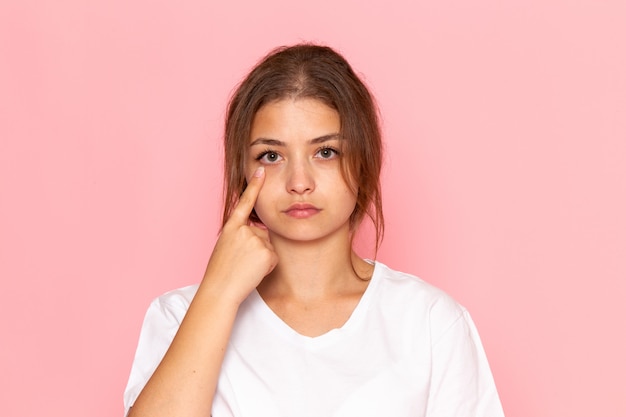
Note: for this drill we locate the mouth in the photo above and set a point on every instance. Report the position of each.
(301, 210)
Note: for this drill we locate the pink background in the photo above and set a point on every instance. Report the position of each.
(505, 182)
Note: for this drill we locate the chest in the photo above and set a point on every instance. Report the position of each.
(314, 319)
(367, 369)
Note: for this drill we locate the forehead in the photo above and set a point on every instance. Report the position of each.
(294, 119)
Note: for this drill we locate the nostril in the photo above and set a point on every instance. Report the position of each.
(300, 180)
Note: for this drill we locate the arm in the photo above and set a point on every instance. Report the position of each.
(184, 383)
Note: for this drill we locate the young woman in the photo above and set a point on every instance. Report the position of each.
(288, 320)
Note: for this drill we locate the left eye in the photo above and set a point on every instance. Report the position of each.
(327, 153)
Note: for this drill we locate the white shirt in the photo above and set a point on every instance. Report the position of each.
(408, 349)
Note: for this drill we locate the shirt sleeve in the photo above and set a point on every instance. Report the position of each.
(159, 327)
(461, 381)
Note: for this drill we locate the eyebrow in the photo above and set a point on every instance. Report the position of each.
(275, 142)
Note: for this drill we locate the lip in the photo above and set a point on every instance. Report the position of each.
(301, 210)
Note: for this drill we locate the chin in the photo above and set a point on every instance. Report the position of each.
(307, 233)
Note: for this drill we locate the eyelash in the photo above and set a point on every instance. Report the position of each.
(329, 148)
(262, 154)
(265, 152)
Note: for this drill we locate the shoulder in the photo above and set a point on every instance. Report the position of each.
(174, 303)
(411, 287)
(415, 297)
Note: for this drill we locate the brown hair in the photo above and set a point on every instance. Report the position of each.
(317, 72)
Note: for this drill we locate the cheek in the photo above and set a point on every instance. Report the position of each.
(334, 180)
(346, 194)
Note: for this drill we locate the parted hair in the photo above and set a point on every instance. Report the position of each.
(308, 71)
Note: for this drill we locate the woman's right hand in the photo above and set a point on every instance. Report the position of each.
(185, 380)
(243, 254)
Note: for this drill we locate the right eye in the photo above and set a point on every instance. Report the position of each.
(269, 157)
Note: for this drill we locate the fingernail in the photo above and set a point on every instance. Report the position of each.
(259, 172)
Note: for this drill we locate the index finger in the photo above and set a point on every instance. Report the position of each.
(246, 202)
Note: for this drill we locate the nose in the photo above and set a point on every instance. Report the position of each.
(300, 179)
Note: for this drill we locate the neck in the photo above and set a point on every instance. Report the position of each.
(315, 270)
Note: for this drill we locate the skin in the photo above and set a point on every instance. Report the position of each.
(313, 288)
(300, 147)
(300, 260)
